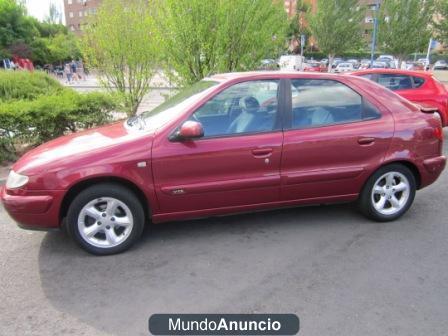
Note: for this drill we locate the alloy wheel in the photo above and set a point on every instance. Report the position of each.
(105, 222)
(390, 193)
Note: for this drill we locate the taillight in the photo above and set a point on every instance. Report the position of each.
(438, 133)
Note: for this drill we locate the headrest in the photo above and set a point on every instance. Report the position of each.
(249, 104)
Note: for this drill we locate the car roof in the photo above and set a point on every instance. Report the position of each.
(224, 77)
(394, 71)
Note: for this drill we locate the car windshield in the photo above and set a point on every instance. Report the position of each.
(176, 104)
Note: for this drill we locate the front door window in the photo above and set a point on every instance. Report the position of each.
(244, 108)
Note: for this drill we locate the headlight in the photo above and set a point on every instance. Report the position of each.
(16, 180)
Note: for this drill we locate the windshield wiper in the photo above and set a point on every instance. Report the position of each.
(136, 120)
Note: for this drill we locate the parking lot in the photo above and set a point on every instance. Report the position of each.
(342, 274)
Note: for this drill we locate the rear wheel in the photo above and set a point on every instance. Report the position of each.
(105, 219)
(388, 193)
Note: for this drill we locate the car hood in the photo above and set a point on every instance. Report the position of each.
(77, 146)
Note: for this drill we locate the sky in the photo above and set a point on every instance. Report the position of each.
(39, 8)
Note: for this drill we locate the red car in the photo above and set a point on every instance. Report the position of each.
(315, 67)
(231, 143)
(419, 87)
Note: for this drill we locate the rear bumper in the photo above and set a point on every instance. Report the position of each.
(432, 168)
(38, 210)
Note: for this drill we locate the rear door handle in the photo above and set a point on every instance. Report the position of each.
(262, 152)
(366, 141)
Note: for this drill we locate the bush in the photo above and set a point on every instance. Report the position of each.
(46, 111)
(47, 117)
(16, 85)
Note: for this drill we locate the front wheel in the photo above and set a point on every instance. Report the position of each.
(105, 219)
(388, 193)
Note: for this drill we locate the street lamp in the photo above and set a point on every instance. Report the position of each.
(375, 30)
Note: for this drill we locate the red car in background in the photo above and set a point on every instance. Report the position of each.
(315, 67)
(417, 86)
(231, 143)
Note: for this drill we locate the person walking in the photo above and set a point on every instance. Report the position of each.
(73, 68)
(68, 73)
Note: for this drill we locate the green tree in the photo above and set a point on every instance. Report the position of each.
(336, 26)
(15, 26)
(62, 47)
(200, 38)
(405, 27)
(441, 23)
(49, 29)
(297, 24)
(121, 44)
(24, 36)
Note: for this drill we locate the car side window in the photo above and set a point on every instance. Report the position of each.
(248, 107)
(418, 81)
(320, 102)
(395, 82)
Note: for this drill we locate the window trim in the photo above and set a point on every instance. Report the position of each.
(289, 126)
(279, 119)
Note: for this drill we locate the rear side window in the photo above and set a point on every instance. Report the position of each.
(318, 102)
(418, 81)
(395, 81)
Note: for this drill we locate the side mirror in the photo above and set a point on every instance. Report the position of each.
(189, 130)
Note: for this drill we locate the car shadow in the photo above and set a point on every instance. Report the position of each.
(205, 265)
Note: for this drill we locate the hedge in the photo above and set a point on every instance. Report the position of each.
(16, 85)
(44, 112)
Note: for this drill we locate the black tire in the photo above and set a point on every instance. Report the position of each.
(365, 202)
(106, 190)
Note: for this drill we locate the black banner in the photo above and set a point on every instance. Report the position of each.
(224, 324)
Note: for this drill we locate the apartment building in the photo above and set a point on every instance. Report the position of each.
(77, 11)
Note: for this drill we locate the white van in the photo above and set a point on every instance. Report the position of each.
(291, 62)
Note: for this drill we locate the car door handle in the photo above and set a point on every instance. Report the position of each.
(366, 141)
(262, 152)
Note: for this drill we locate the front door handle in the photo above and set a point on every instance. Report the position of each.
(262, 152)
(366, 141)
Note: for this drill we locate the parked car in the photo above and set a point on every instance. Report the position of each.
(336, 62)
(268, 64)
(391, 61)
(441, 65)
(344, 67)
(415, 66)
(315, 67)
(379, 65)
(388, 57)
(364, 64)
(425, 62)
(355, 63)
(231, 143)
(419, 87)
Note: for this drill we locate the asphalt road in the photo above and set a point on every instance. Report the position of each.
(342, 274)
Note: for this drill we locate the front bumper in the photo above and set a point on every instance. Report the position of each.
(38, 210)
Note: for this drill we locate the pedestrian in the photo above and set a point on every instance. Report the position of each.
(73, 68)
(68, 73)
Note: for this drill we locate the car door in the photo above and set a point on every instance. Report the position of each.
(235, 163)
(335, 138)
